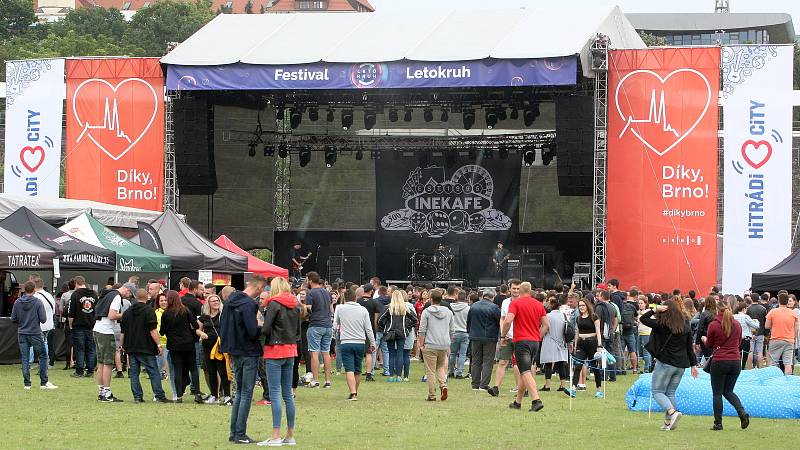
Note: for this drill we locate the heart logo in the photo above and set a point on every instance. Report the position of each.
(114, 118)
(756, 154)
(662, 111)
(31, 157)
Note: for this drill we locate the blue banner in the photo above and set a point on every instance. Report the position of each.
(395, 75)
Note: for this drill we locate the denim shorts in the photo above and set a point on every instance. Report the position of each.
(319, 339)
(352, 354)
(629, 342)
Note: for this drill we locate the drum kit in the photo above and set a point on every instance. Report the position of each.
(432, 266)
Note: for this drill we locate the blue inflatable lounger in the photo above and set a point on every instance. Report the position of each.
(766, 393)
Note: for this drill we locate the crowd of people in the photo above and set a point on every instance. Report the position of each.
(260, 335)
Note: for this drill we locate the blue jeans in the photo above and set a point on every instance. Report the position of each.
(280, 372)
(166, 355)
(35, 343)
(245, 369)
(194, 373)
(395, 361)
(406, 362)
(665, 382)
(46, 352)
(648, 360)
(380, 345)
(458, 348)
(148, 362)
(85, 351)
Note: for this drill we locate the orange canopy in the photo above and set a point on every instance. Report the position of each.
(254, 264)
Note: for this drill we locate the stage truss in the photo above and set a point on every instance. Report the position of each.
(171, 195)
(600, 67)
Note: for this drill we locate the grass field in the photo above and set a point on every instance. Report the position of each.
(387, 415)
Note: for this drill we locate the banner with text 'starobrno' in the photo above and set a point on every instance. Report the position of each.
(115, 131)
(756, 92)
(34, 110)
(662, 168)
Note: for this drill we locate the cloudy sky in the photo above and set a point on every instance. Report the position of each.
(785, 6)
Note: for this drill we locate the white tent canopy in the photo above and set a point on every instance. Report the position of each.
(436, 35)
(55, 210)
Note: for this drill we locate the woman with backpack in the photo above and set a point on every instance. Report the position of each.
(671, 346)
(723, 338)
(587, 340)
(554, 355)
(396, 323)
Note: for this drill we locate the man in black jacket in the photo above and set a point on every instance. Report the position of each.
(81, 322)
(483, 326)
(194, 306)
(239, 336)
(141, 342)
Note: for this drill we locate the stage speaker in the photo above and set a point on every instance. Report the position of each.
(348, 268)
(575, 144)
(532, 268)
(194, 146)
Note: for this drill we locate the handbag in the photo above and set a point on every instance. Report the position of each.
(215, 353)
(707, 365)
(390, 334)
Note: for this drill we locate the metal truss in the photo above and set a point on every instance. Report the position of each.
(600, 65)
(171, 194)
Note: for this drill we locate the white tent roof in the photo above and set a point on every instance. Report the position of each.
(436, 35)
(62, 210)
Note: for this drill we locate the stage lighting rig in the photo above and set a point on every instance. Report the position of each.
(491, 119)
(295, 117)
(360, 153)
(369, 118)
(468, 117)
(269, 150)
(427, 114)
(347, 119)
(531, 114)
(313, 113)
(548, 153)
(529, 156)
(514, 114)
(279, 113)
(329, 115)
(393, 115)
(304, 155)
(375, 154)
(445, 117)
(283, 150)
(501, 113)
(330, 156)
(407, 115)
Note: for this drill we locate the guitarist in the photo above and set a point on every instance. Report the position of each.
(499, 258)
(298, 260)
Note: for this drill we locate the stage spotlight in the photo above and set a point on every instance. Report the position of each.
(279, 113)
(375, 154)
(251, 149)
(283, 150)
(473, 153)
(329, 115)
(330, 156)
(468, 116)
(529, 156)
(503, 152)
(445, 117)
(488, 153)
(313, 114)
(407, 115)
(360, 153)
(295, 117)
(548, 154)
(269, 150)
(347, 119)
(491, 119)
(369, 119)
(427, 114)
(501, 113)
(304, 155)
(530, 114)
(393, 115)
(450, 157)
(514, 114)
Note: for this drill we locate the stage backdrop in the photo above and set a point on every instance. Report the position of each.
(470, 205)
(662, 168)
(756, 89)
(34, 110)
(115, 131)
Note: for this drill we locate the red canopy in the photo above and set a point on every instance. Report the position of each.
(254, 264)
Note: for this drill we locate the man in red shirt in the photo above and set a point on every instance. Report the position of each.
(530, 324)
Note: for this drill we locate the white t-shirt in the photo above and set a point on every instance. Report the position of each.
(504, 313)
(106, 325)
(49, 304)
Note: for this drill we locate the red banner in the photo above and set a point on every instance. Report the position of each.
(662, 168)
(115, 131)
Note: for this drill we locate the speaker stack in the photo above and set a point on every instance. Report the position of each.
(575, 143)
(194, 146)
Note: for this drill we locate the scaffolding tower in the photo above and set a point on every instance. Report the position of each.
(599, 51)
(171, 195)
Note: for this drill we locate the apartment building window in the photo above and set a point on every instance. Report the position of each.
(311, 5)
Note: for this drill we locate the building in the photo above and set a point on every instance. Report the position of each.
(712, 28)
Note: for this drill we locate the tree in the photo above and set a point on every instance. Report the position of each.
(152, 27)
(248, 7)
(93, 21)
(16, 16)
(651, 40)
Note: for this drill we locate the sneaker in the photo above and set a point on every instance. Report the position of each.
(263, 402)
(386, 374)
(327, 385)
(313, 384)
(536, 406)
(483, 388)
(48, 385)
(27, 387)
(390, 380)
(226, 401)
(76, 375)
(198, 398)
(444, 393)
(370, 377)
(138, 400)
(405, 380)
(163, 375)
(424, 379)
(475, 389)
(110, 399)
(210, 400)
(430, 399)
(89, 375)
(745, 420)
(665, 427)
(244, 440)
(513, 390)
(119, 375)
(673, 419)
(599, 394)
(289, 441)
(161, 400)
(352, 398)
(581, 387)
(570, 392)
(514, 405)
(560, 389)
(545, 389)
(716, 427)
(271, 443)
(494, 391)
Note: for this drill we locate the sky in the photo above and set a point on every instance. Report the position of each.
(784, 6)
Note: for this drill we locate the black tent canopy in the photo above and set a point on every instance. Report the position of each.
(786, 275)
(191, 251)
(18, 254)
(73, 253)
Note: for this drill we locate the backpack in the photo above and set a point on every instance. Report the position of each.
(569, 330)
(628, 316)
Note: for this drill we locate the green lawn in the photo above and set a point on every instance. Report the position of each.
(386, 416)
